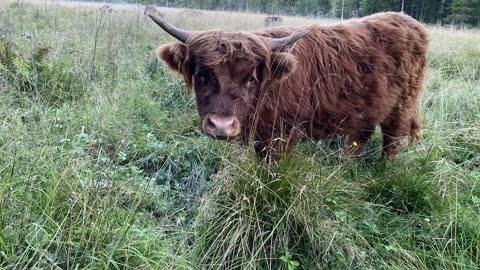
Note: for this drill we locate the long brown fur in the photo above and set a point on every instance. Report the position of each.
(343, 79)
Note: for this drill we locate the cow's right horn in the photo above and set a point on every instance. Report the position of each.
(181, 35)
(275, 43)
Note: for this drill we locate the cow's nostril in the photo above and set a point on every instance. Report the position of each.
(210, 124)
(235, 124)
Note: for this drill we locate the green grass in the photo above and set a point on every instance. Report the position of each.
(103, 165)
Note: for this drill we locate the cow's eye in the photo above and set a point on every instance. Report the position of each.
(252, 79)
(201, 80)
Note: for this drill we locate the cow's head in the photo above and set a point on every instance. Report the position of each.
(226, 70)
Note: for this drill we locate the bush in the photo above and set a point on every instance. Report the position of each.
(33, 75)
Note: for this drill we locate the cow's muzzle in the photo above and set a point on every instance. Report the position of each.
(221, 127)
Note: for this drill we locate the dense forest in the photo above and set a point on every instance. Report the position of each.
(460, 13)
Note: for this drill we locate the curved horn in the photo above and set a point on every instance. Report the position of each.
(177, 33)
(275, 43)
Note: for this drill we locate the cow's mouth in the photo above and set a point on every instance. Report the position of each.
(221, 127)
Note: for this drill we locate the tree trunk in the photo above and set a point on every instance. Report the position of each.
(440, 14)
(421, 13)
(343, 4)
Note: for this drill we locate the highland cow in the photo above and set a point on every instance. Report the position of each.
(189, 13)
(271, 21)
(274, 87)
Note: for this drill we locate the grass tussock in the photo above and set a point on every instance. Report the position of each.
(103, 165)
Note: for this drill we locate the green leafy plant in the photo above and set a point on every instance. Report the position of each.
(32, 74)
(287, 259)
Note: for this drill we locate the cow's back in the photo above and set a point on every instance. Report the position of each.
(351, 75)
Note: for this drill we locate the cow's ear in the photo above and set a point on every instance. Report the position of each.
(174, 55)
(282, 64)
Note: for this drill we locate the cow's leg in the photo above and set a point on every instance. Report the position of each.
(356, 141)
(404, 120)
(395, 129)
(416, 122)
(413, 100)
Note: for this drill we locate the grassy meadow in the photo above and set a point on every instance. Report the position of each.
(103, 164)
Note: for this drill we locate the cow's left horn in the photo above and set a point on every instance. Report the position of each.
(182, 35)
(275, 43)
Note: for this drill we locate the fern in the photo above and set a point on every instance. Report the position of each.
(7, 55)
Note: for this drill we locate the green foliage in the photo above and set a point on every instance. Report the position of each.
(32, 74)
(287, 259)
(373, 6)
(464, 12)
(7, 55)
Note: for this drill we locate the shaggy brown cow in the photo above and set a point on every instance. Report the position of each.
(271, 21)
(189, 13)
(277, 86)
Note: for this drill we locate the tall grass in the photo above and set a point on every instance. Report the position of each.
(112, 171)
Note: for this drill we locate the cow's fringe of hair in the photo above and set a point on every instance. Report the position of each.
(232, 46)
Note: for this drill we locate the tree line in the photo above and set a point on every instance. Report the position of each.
(459, 13)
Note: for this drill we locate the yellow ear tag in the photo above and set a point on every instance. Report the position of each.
(355, 144)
